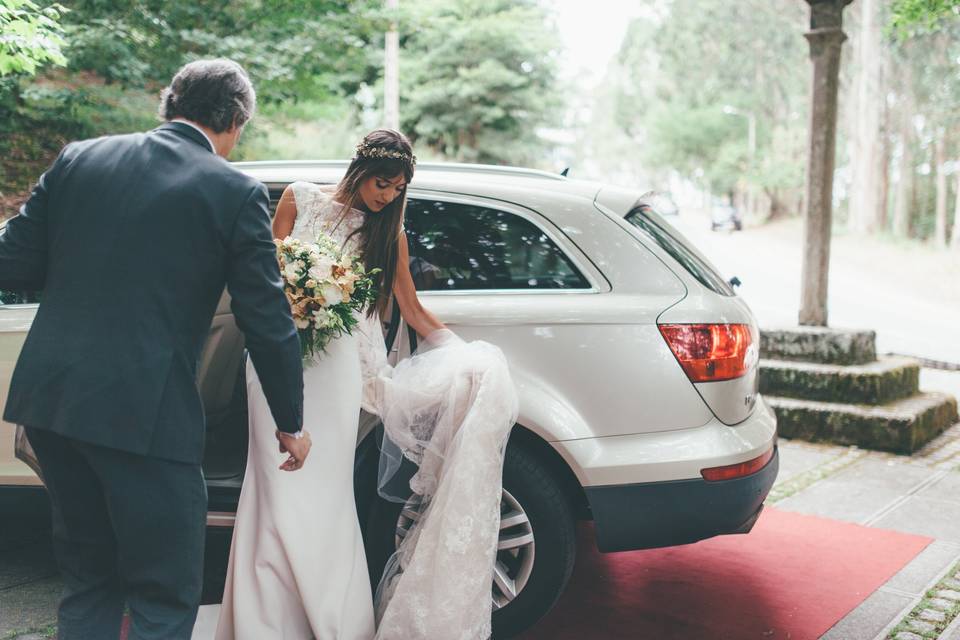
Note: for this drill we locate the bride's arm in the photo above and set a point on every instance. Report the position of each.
(285, 215)
(405, 291)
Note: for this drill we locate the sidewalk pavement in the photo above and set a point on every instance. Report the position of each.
(29, 581)
(917, 494)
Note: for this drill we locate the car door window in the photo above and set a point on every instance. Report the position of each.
(19, 297)
(456, 246)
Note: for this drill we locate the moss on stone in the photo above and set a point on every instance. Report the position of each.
(875, 384)
(905, 428)
(819, 344)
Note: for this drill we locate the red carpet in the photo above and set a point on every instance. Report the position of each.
(793, 577)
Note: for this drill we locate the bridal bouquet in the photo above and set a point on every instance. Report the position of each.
(324, 287)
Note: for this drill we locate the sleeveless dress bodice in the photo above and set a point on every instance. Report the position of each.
(318, 212)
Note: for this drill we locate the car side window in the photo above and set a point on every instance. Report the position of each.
(19, 297)
(456, 246)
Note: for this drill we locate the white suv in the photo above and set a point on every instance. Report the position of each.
(635, 361)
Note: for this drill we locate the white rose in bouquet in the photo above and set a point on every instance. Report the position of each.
(321, 269)
(331, 294)
(291, 273)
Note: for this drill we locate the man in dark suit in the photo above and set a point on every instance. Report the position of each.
(131, 239)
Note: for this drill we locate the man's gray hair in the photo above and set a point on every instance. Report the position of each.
(215, 93)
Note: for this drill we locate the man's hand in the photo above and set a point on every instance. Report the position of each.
(298, 448)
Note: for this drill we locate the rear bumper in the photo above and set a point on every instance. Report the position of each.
(661, 514)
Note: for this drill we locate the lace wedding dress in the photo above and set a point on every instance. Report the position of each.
(297, 567)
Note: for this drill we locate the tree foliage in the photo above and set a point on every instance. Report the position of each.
(692, 81)
(478, 78)
(30, 36)
(293, 49)
(910, 17)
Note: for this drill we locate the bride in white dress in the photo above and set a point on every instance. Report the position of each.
(297, 565)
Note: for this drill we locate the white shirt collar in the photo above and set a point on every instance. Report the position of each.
(202, 132)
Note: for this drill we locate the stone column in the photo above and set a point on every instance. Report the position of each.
(826, 38)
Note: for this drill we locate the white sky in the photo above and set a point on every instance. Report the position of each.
(592, 31)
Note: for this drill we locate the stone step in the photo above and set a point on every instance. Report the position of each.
(818, 344)
(888, 379)
(902, 426)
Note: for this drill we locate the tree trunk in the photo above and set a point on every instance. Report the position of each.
(850, 99)
(779, 204)
(865, 205)
(906, 169)
(883, 162)
(902, 207)
(940, 160)
(955, 238)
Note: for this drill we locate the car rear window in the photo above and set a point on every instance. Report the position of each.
(676, 245)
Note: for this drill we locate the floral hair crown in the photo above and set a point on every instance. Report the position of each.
(366, 150)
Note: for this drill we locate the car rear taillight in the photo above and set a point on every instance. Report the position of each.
(712, 352)
(739, 470)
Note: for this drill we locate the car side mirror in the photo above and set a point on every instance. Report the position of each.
(734, 282)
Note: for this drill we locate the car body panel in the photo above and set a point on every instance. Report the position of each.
(635, 384)
(597, 381)
(669, 455)
(731, 400)
(660, 514)
(15, 321)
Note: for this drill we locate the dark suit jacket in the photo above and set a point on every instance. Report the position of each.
(132, 239)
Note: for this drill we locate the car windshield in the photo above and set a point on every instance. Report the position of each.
(647, 221)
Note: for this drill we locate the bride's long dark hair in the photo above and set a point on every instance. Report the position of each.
(380, 231)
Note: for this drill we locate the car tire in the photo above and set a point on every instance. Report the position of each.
(540, 494)
(532, 486)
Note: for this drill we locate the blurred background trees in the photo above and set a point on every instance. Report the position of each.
(705, 97)
(689, 83)
(716, 92)
(31, 36)
(478, 77)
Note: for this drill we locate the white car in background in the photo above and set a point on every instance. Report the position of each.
(636, 365)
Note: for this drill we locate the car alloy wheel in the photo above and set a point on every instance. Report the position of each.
(515, 552)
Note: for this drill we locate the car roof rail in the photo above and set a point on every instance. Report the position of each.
(433, 167)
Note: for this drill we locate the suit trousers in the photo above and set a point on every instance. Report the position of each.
(127, 530)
